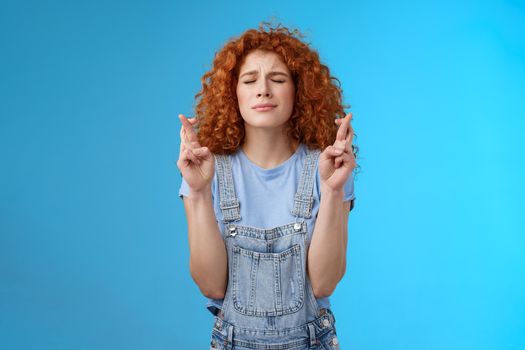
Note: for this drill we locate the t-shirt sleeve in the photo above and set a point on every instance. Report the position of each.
(184, 189)
(349, 190)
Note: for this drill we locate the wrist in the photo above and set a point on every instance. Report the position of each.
(203, 193)
(329, 192)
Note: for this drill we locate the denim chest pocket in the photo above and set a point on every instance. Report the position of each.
(267, 284)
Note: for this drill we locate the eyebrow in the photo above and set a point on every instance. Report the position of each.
(269, 74)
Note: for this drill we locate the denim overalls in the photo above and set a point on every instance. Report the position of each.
(269, 302)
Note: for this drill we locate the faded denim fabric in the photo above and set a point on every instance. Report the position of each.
(319, 334)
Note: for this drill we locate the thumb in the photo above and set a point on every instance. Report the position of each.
(335, 151)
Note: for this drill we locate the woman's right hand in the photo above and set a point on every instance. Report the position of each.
(196, 163)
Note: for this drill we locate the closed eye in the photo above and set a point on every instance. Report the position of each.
(276, 81)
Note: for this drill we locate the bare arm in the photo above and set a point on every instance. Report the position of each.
(327, 252)
(346, 214)
(208, 260)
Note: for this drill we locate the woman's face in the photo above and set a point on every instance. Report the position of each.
(265, 79)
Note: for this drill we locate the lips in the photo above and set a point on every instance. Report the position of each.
(264, 105)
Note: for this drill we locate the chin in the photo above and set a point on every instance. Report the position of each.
(264, 121)
(263, 124)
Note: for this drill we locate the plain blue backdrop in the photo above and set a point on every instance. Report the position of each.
(93, 243)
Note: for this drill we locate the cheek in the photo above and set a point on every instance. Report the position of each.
(289, 95)
(241, 98)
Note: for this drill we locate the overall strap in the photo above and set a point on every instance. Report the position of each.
(303, 200)
(229, 204)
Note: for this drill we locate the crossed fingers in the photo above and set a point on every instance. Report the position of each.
(189, 140)
(345, 134)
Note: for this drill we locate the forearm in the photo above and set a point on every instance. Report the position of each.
(208, 259)
(327, 252)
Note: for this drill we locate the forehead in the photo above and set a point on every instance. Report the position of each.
(262, 60)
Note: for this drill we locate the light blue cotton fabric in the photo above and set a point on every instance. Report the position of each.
(266, 196)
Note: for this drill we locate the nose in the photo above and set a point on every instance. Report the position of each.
(264, 90)
(266, 94)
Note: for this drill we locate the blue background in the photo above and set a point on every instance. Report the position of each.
(93, 243)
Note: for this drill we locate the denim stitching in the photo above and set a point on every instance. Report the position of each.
(229, 203)
(303, 200)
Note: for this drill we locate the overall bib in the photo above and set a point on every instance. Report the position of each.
(269, 302)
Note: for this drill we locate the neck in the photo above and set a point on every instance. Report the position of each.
(268, 148)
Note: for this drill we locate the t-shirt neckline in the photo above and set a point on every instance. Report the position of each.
(275, 169)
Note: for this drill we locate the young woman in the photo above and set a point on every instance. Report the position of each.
(267, 167)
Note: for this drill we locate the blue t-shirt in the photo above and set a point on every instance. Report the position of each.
(266, 195)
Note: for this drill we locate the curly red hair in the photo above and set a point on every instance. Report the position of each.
(318, 100)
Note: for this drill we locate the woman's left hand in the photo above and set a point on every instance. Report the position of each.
(336, 162)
